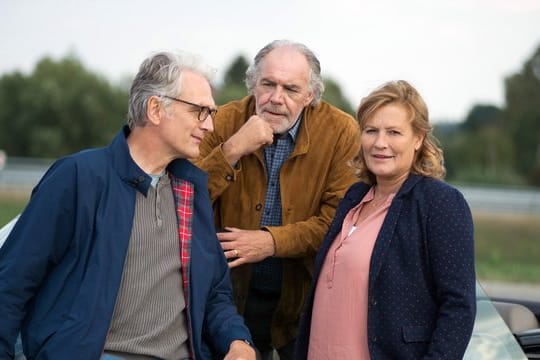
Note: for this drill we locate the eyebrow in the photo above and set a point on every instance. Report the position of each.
(291, 86)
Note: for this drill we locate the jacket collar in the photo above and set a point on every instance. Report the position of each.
(185, 170)
(133, 175)
(360, 189)
(408, 185)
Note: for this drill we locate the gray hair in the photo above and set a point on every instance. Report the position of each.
(161, 74)
(316, 84)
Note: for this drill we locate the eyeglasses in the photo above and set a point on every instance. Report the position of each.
(204, 111)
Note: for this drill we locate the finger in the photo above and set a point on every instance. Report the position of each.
(231, 254)
(237, 262)
(232, 229)
(227, 246)
(225, 236)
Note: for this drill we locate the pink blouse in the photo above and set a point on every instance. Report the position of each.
(339, 319)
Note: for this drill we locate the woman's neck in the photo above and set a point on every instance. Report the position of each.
(385, 188)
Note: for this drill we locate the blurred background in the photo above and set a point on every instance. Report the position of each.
(66, 67)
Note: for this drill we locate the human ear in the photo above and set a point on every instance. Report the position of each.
(309, 98)
(153, 110)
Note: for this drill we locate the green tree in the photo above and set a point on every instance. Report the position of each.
(522, 117)
(58, 109)
(13, 121)
(445, 133)
(236, 73)
(493, 155)
(482, 116)
(233, 86)
(484, 156)
(334, 95)
(479, 150)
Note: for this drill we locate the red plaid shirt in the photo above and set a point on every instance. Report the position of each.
(183, 196)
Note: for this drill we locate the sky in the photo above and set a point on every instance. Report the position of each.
(457, 53)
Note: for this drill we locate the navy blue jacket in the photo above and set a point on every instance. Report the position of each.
(61, 266)
(421, 279)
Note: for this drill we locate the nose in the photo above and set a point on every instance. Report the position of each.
(380, 141)
(208, 124)
(277, 95)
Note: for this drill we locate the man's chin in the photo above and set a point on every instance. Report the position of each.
(192, 154)
(280, 128)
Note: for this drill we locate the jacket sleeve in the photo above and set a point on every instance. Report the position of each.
(450, 243)
(214, 317)
(212, 160)
(223, 324)
(38, 240)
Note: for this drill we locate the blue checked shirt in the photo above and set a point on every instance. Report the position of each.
(266, 277)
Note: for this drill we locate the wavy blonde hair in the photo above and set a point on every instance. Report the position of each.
(429, 160)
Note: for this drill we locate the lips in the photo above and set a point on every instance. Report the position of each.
(274, 112)
(271, 113)
(381, 156)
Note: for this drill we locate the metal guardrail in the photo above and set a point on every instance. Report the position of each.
(509, 200)
(24, 174)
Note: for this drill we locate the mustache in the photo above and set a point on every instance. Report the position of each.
(276, 110)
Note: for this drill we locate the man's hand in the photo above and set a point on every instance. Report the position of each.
(240, 350)
(253, 135)
(246, 246)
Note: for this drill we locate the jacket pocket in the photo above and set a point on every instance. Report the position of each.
(421, 333)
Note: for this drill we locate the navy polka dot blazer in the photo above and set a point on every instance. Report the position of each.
(422, 278)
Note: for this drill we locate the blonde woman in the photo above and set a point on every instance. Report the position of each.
(394, 277)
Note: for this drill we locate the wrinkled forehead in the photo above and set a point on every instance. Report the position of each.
(196, 88)
(285, 64)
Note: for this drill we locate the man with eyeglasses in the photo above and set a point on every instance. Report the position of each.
(115, 256)
(278, 166)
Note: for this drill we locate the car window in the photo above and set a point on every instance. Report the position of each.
(491, 337)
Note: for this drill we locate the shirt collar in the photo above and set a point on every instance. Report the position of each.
(293, 131)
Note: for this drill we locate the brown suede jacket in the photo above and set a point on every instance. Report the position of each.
(313, 180)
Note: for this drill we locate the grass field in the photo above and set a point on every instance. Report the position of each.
(507, 245)
(11, 203)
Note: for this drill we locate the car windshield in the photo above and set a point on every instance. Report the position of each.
(4, 231)
(491, 337)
